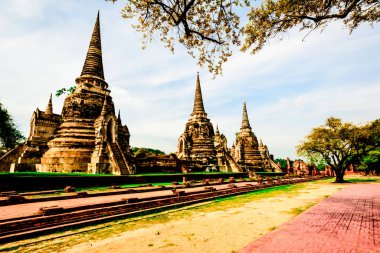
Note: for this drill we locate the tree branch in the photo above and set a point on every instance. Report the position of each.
(340, 15)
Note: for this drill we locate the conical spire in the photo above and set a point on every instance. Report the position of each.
(104, 108)
(49, 107)
(217, 130)
(93, 65)
(119, 118)
(245, 122)
(198, 101)
(261, 143)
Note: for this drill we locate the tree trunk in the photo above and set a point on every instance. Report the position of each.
(339, 174)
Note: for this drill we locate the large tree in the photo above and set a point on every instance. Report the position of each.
(341, 144)
(209, 28)
(9, 134)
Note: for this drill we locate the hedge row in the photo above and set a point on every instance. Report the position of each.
(24, 182)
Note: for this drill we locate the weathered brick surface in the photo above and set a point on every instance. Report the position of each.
(17, 211)
(348, 221)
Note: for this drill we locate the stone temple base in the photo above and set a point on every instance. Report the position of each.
(100, 165)
(100, 168)
(65, 160)
(22, 167)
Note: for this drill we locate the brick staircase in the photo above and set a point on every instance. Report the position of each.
(118, 159)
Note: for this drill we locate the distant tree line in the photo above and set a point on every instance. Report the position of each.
(144, 152)
(282, 162)
(10, 136)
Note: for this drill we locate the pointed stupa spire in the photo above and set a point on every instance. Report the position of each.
(49, 107)
(245, 122)
(119, 118)
(261, 143)
(104, 108)
(217, 130)
(93, 65)
(198, 101)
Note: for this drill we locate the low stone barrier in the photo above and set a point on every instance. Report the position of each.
(54, 217)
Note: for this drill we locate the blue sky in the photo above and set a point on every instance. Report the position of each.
(290, 86)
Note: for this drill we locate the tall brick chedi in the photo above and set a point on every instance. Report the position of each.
(197, 141)
(87, 136)
(91, 138)
(246, 149)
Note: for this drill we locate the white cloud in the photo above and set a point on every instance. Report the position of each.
(291, 118)
(23, 9)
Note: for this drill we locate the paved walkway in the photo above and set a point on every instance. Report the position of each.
(348, 221)
(21, 210)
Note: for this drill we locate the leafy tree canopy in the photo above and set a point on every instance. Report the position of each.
(282, 162)
(371, 162)
(209, 28)
(341, 144)
(315, 160)
(10, 136)
(144, 152)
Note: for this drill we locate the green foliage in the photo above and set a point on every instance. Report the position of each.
(341, 144)
(282, 162)
(321, 165)
(144, 152)
(316, 160)
(65, 91)
(298, 210)
(371, 162)
(365, 179)
(10, 136)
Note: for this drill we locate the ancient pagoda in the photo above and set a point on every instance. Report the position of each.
(268, 163)
(25, 156)
(246, 148)
(197, 141)
(87, 136)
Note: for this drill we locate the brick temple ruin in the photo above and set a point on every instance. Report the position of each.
(200, 144)
(246, 150)
(88, 137)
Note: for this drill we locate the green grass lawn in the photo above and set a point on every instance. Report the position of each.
(362, 179)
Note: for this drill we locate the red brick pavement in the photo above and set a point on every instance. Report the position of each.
(348, 221)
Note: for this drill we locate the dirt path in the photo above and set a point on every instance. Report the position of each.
(218, 231)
